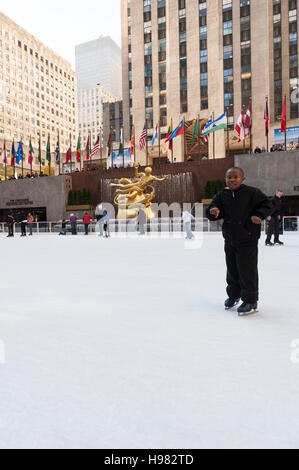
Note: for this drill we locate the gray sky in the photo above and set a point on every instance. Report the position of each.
(61, 24)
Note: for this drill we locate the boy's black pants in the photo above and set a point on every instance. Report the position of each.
(273, 228)
(242, 272)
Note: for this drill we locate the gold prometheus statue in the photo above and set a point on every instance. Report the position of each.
(132, 194)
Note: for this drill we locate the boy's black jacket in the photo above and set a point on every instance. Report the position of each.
(276, 202)
(237, 208)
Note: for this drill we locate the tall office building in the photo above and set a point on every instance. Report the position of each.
(37, 93)
(183, 58)
(99, 61)
(90, 112)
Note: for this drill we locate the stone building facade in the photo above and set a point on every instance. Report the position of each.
(184, 58)
(38, 94)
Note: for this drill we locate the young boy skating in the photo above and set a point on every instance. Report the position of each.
(243, 208)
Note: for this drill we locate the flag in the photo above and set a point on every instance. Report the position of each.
(31, 153)
(20, 153)
(121, 148)
(87, 148)
(132, 143)
(96, 148)
(240, 127)
(179, 130)
(109, 145)
(169, 132)
(196, 130)
(213, 126)
(48, 154)
(68, 152)
(12, 154)
(266, 117)
(247, 120)
(284, 118)
(57, 151)
(4, 154)
(142, 140)
(155, 137)
(78, 151)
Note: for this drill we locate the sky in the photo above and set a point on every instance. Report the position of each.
(61, 24)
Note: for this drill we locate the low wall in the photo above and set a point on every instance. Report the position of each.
(270, 171)
(48, 192)
(186, 185)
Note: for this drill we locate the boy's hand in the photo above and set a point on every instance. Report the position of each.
(256, 220)
(215, 212)
(269, 218)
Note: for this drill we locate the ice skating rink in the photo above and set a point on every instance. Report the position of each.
(124, 343)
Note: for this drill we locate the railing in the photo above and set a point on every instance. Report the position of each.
(171, 225)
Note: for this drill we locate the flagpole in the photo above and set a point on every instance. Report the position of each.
(244, 140)
(159, 128)
(30, 156)
(5, 159)
(213, 137)
(227, 132)
(59, 153)
(184, 141)
(49, 155)
(266, 124)
(122, 146)
(146, 144)
(251, 121)
(198, 137)
(285, 136)
(171, 142)
(101, 146)
(40, 157)
(134, 141)
(22, 159)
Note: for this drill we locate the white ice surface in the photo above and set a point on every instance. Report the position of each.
(124, 343)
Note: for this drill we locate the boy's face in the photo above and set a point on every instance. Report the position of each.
(234, 179)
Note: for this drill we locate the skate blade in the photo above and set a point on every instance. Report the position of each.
(247, 314)
(230, 308)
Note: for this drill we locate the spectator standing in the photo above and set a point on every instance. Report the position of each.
(87, 218)
(274, 220)
(23, 228)
(63, 227)
(10, 220)
(30, 221)
(141, 221)
(73, 221)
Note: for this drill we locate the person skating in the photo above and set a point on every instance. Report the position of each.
(73, 221)
(274, 220)
(87, 218)
(141, 221)
(23, 228)
(30, 221)
(63, 227)
(187, 219)
(10, 220)
(106, 220)
(243, 208)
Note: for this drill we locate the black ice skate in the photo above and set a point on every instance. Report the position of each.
(230, 303)
(269, 244)
(277, 242)
(247, 309)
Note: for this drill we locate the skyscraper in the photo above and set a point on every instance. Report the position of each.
(99, 62)
(183, 58)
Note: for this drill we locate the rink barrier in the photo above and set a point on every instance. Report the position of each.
(154, 225)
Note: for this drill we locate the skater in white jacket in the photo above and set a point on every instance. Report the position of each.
(187, 219)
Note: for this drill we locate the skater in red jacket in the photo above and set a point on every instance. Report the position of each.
(87, 218)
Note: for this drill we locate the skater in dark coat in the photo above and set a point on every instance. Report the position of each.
(274, 220)
(243, 208)
(10, 220)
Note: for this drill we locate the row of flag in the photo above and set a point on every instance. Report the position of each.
(244, 123)
(16, 157)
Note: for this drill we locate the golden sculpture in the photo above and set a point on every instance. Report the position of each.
(133, 194)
